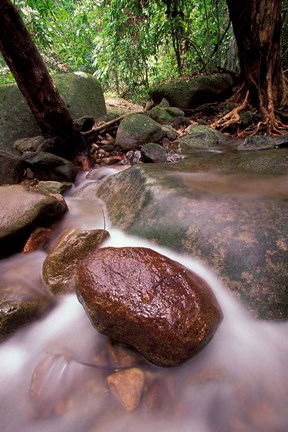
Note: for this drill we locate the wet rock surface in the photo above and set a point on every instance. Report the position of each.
(144, 299)
(228, 210)
(59, 267)
(22, 209)
(22, 300)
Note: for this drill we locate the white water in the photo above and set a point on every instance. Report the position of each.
(237, 383)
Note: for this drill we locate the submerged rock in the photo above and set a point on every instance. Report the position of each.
(144, 299)
(128, 385)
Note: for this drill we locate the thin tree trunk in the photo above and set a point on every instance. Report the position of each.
(35, 83)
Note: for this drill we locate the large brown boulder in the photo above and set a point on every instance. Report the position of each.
(142, 298)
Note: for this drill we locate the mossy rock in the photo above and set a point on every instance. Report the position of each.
(232, 216)
(81, 92)
(192, 92)
(198, 137)
(160, 115)
(136, 130)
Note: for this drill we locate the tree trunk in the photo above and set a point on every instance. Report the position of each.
(35, 83)
(257, 27)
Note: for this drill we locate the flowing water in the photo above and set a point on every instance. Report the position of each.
(49, 382)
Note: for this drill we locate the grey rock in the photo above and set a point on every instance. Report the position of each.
(81, 92)
(136, 130)
(23, 209)
(192, 92)
(227, 210)
(152, 152)
(47, 166)
(256, 142)
(12, 168)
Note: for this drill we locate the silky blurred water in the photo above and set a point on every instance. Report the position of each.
(237, 383)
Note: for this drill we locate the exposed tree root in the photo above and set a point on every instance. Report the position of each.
(232, 116)
(269, 123)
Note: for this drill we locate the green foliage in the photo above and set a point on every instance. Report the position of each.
(129, 44)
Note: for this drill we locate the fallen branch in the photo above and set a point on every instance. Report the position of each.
(107, 124)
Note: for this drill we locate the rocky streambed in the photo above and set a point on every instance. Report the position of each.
(136, 258)
(61, 372)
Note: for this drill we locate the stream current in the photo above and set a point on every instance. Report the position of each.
(237, 383)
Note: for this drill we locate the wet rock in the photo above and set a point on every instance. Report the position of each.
(121, 356)
(152, 152)
(158, 399)
(144, 299)
(59, 267)
(128, 386)
(12, 168)
(227, 210)
(256, 142)
(22, 209)
(53, 187)
(136, 130)
(281, 141)
(38, 240)
(192, 92)
(19, 306)
(23, 298)
(47, 166)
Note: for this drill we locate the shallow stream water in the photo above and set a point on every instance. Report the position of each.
(49, 382)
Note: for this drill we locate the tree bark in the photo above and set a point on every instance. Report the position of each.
(35, 83)
(257, 27)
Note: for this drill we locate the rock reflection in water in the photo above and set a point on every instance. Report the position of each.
(54, 374)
